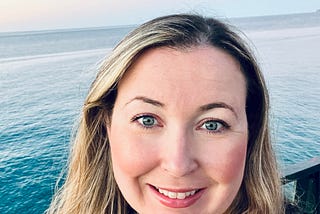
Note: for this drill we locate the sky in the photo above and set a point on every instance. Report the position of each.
(27, 15)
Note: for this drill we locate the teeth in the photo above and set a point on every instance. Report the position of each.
(176, 195)
(172, 195)
(181, 195)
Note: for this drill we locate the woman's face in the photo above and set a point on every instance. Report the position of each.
(178, 133)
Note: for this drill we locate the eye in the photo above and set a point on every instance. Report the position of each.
(214, 126)
(147, 121)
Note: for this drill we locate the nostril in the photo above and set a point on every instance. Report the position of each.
(179, 167)
(177, 156)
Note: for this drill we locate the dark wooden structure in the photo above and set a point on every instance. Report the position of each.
(306, 178)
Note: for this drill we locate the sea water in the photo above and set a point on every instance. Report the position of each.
(45, 75)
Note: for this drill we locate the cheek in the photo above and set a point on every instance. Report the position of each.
(130, 155)
(226, 162)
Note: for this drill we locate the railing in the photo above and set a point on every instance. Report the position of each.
(306, 183)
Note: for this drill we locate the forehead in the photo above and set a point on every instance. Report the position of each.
(204, 56)
(170, 73)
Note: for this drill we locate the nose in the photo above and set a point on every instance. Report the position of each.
(178, 156)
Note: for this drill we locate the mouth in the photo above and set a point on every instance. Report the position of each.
(177, 198)
(177, 195)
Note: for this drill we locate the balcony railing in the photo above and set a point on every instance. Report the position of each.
(305, 179)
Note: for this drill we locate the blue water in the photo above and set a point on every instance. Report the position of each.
(44, 77)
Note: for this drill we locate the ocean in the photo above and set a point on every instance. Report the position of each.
(45, 75)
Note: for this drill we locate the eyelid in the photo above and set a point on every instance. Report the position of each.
(138, 116)
(222, 122)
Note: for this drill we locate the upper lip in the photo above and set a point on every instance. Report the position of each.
(188, 189)
(178, 190)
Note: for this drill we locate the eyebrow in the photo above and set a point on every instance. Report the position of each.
(203, 108)
(147, 100)
(210, 106)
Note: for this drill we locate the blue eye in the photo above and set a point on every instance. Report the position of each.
(213, 126)
(147, 121)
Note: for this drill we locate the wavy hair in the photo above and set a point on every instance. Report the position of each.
(90, 186)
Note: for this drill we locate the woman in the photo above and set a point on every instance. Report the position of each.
(176, 121)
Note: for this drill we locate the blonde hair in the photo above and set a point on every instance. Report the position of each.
(90, 186)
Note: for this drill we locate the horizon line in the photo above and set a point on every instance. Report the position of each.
(70, 29)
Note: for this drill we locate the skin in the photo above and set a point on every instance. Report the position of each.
(179, 123)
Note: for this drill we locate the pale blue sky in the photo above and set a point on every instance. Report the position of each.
(22, 15)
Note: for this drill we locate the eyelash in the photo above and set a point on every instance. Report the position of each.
(225, 126)
(140, 116)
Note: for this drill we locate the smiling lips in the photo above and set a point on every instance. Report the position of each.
(176, 195)
(177, 198)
